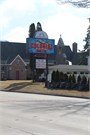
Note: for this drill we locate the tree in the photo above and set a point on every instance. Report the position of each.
(79, 79)
(84, 79)
(32, 31)
(85, 52)
(39, 27)
(57, 76)
(77, 3)
(70, 78)
(53, 76)
(73, 78)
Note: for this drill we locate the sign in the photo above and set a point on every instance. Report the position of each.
(40, 63)
(40, 34)
(40, 55)
(41, 46)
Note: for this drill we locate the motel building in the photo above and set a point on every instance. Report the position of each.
(15, 58)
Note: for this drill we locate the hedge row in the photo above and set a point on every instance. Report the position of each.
(63, 77)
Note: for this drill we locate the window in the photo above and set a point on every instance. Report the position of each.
(3, 68)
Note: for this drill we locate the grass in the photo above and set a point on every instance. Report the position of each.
(38, 87)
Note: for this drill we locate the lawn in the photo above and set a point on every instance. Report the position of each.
(38, 87)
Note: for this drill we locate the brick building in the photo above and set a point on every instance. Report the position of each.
(15, 59)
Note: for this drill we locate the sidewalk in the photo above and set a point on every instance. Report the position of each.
(27, 86)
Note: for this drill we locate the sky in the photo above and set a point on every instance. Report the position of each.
(65, 20)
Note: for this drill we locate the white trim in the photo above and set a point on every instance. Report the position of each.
(16, 58)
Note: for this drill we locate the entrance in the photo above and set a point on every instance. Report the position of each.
(17, 75)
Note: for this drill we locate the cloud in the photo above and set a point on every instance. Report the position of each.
(15, 9)
(72, 28)
(47, 2)
(18, 34)
(66, 20)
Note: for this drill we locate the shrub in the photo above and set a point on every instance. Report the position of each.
(61, 76)
(65, 77)
(79, 79)
(84, 79)
(73, 78)
(70, 78)
(57, 76)
(53, 76)
(29, 78)
(88, 79)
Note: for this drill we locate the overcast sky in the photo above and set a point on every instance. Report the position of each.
(17, 15)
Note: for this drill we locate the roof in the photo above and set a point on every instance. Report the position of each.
(9, 50)
(70, 68)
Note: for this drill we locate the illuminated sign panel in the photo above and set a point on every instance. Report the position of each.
(41, 34)
(40, 63)
(43, 46)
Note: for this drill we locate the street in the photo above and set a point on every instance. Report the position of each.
(35, 114)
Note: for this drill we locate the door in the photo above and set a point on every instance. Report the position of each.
(17, 75)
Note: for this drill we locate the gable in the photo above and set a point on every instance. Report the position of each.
(18, 56)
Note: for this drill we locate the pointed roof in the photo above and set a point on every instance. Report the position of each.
(60, 42)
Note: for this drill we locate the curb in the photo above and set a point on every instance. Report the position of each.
(47, 94)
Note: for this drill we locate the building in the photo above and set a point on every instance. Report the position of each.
(15, 59)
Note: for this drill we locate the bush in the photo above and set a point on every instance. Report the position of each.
(61, 76)
(88, 80)
(79, 79)
(65, 78)
(29, 78)
(70, 78)
(84, 79)
(57, 76)
(73, 78)
(53, 76)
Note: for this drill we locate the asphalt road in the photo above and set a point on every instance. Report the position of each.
(34, 114)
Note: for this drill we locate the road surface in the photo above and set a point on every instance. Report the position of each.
(34, 114)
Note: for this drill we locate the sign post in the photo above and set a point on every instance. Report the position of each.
(46, 70)
(41, 45)
(33, 68)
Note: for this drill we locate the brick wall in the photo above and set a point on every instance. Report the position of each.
(17, 65)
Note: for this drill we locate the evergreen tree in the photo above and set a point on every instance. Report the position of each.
(66, 77)
(53, 76)
(73, 78)
(32, 31)
(70, 78)
(85, 52)
(57, 76)
(79, 79)
(84, 79)
(39, 27)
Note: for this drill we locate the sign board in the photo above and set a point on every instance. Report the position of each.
(41, 46)
(40, 34)
(40, 63)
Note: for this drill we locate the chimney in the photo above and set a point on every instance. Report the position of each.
(74, 47)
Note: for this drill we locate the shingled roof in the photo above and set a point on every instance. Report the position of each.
(9, 50)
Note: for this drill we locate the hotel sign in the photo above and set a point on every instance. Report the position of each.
(41, 46)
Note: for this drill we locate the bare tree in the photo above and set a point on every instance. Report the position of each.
(77, 3)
